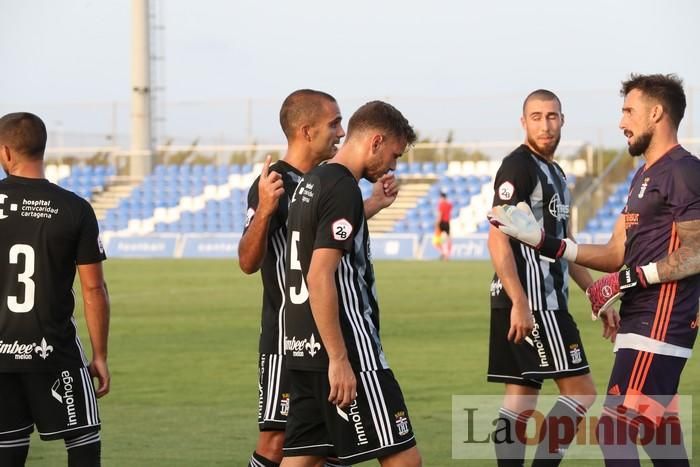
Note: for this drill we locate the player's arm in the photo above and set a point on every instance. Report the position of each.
(521, 320)
(384, 193)
(685, 261)
(323, 298)
(96, 305)
(253, 244)
(519, 222)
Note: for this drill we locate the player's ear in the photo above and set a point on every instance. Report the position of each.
(376, 141)
(305, 132)
(657, 113)
(522, 122)
(562, 119)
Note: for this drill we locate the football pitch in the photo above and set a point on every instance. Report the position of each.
(183, 350)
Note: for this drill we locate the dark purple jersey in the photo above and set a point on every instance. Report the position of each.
(660, 197)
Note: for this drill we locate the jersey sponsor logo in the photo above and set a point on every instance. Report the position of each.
(536, 342)
(401, 423)
(249, 216)
(25, 351)
(631, 219)
(558, 209)
(354, 417)
(12, 206)
(66, 397)
(575, 353)
(100, 246)
(341, 230)
(298, 347)
(38, 209)
(643, 188)
(506, 191)
(307, 193)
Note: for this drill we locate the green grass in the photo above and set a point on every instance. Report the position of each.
(183, 351)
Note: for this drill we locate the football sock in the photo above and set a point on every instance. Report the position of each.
(13, 452)
(84, 451)
(509, 438)
(560, 425)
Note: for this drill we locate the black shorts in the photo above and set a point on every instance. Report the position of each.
(645, 383)
(273, 392)
(444, 227)
(552, 350)
(61, 403)
(375, 425)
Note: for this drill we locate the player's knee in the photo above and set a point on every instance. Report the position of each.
(270, 444)
(84, 450)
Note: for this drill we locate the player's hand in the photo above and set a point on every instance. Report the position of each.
(604, 292)
(517, 222)
(385, 190)
(342, 382)
(270, 189)
(522, 322)
(611, 323)
(99, 369)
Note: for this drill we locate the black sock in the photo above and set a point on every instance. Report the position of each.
(561, 425)
(509, 438)
(256, 460)
(84, 451)
(13, 452)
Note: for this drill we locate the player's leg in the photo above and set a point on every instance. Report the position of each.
(568, 365)
(16, 423)
(273, 404)
(642, 401)
(408, 458)
(507, 361)
(64, 406)
(84, 450)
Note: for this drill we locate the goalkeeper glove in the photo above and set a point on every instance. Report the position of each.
(604, 292)
(519, 222)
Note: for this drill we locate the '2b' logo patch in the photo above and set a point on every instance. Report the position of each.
(341, 230)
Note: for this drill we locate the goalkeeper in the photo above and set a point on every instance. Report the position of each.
(653, 261)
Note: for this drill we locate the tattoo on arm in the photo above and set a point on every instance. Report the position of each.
(685, 261)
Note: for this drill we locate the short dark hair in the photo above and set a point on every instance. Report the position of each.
(541, 94)
(25, 133)
(300, 107)
(379, 115)
(666, 89)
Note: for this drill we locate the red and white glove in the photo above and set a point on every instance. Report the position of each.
(604, 292)
(520, 223)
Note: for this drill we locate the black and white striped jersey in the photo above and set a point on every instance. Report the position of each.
(272, 269)
(45, 232)
(327, 211)
(525, 176)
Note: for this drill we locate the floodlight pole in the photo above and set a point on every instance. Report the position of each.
(141, 160)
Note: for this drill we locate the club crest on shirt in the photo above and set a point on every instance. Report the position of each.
(643, 188)
(341, 230)
(506, 191)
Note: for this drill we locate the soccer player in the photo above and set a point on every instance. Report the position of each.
(311, 122)
(343, 394)
(47, 233)
(444, 213)
(657, 240)
(533, 337)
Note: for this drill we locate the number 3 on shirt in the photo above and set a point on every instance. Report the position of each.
(24, 277)
(300, 297)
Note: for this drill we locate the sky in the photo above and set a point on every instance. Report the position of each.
(225, 66)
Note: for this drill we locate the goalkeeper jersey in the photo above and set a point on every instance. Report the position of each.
(526, 176)
(661, 196)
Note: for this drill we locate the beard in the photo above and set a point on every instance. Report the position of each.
(545, 151)
(640, 146)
